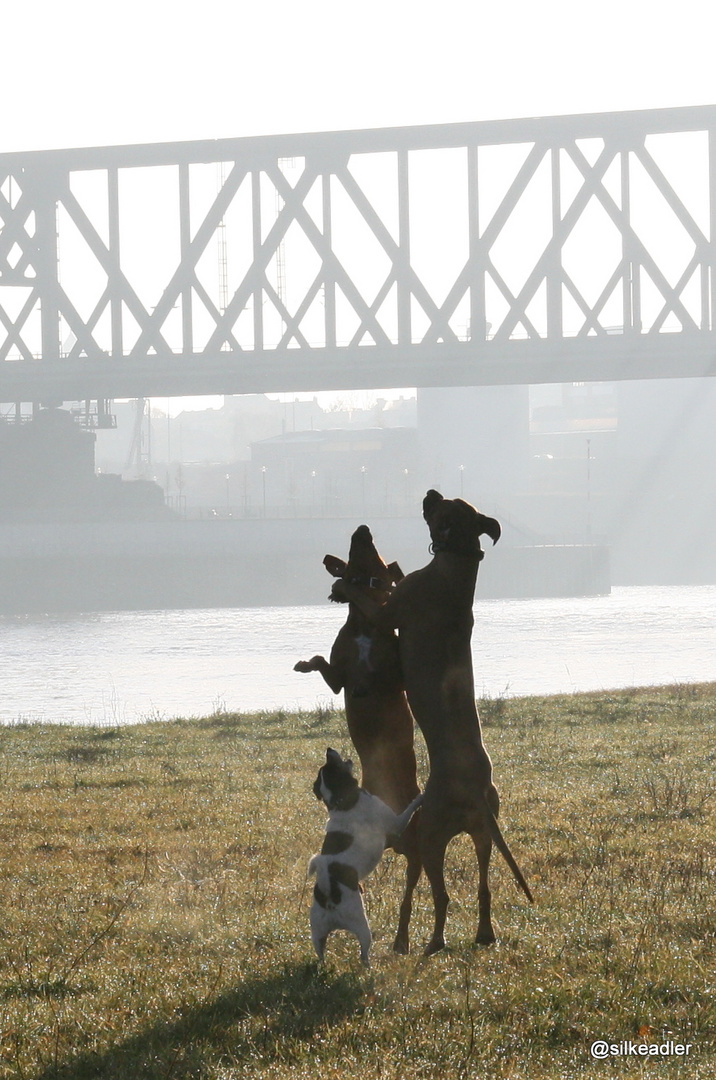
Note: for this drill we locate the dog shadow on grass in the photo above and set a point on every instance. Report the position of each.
(258, 1021)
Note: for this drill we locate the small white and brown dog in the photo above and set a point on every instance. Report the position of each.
(358, 830)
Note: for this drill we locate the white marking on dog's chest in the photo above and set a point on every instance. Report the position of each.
(364, 644)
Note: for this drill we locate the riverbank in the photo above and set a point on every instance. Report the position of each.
(155, 905)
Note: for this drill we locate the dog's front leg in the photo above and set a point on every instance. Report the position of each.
(400, 822)
(404, 818)
(331, 675)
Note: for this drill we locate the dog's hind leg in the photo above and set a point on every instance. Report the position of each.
(319, 945)
(319, 937)
(433, 844)
(483, 848)
(362, 932)
(320, 925)
(412, 874)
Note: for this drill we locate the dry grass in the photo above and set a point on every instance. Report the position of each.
(155, 909)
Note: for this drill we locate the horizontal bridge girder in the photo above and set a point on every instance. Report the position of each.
(633, 126)
(617, 357)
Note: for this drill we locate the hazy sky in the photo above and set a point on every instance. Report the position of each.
(79, 72)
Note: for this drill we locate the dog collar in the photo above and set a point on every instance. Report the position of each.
(438, 546)
(346, 803)
(371, 582)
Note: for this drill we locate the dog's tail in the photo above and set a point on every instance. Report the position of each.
(501, 845)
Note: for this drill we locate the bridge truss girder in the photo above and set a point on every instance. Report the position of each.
(292, 267)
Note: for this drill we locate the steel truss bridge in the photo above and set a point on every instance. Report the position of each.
(566, 248)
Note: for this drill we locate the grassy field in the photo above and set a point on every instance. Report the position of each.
(155, 907)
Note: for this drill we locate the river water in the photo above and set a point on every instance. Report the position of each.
(121, 667)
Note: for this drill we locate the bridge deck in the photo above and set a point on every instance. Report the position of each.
(678, 355)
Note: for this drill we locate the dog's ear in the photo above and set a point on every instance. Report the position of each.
(489, 527)
(396, 574)
(335, 566)
(430, 502)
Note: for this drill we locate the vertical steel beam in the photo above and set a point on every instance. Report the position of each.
(403, 267)
(44, 185)
(329, 280)
(476, 285)
(184, 245)
(114, 272)
(631, 290)
(710, 324)
(554, 264)
(256, 227)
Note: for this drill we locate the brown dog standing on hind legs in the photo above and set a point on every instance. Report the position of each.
(432, 611)
(365, 664)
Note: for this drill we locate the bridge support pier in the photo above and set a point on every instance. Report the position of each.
(662, 519)
(474, 441)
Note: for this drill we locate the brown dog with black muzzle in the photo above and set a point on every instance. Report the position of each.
(432, 611)
(365, 664)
